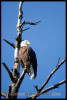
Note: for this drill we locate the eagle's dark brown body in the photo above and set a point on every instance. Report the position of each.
(27, 56)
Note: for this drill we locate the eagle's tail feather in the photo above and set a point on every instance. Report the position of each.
(31, 72)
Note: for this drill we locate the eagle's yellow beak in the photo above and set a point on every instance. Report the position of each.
(28, 43)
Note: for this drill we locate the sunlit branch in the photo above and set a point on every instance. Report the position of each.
(4, 94)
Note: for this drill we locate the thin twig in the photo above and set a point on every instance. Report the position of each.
(36, 87)
(11, 44)
(58, 62)
(10, 74)
(26, 29)
(32, 23)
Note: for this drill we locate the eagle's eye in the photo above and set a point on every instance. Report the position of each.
(26, 42)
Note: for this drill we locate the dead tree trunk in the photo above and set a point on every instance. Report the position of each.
(13, 88)
(16, 79)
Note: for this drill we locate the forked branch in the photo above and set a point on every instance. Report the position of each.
(29, 22)
(10, 74)
(46, 90)
(53, 87)
(57, 67)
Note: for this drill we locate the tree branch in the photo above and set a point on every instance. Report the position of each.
(36, 87)
(53, 87)
(20, 79)
(46, 90)
(57, 67)
(10, 74)
(26, 29)
(58, 62)
(32, 23)
(29, 22)
(9, 43)
(4, 94)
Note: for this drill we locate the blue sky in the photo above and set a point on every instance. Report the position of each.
(48, 40)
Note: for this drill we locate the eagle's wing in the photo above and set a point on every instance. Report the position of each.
(27, 57)
(33, 59)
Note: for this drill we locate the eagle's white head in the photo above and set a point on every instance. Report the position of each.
(25, 43)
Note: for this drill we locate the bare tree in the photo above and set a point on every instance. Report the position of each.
(16, 78)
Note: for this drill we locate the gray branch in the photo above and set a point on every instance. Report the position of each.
(32, 23)
(29, 22)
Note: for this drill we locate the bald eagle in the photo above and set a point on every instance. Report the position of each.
(27, 57)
